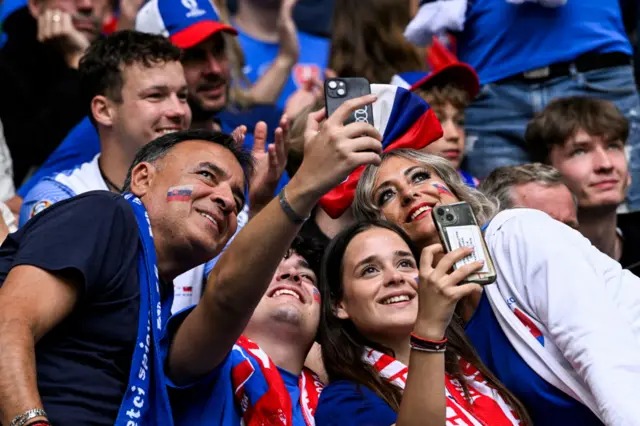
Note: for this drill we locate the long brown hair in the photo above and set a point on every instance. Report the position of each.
(367, 40)
(343, 345)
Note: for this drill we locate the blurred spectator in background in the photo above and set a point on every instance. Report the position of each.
(39, 80)
(584, 139)
(534, 186)
(311, 16)
(528, 53)
(268, 40)
(449, 88)
(368, 41)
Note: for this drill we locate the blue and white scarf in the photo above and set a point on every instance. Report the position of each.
(146, 401)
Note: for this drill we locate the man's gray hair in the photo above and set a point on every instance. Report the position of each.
(500, 182)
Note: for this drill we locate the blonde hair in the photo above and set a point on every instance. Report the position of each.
(365, 207)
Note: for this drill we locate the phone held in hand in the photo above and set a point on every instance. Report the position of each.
(458, 227)
(339, 90)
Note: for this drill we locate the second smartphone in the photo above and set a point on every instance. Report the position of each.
(458, 227)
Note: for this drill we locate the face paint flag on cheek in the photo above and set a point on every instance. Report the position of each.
(180, 193)
(316, 295)
(441, 188)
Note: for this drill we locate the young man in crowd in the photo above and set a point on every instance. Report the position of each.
(194, 27)
(39, 78)
(534, 186)
(584, 139)
(276, 341)
(136, 91)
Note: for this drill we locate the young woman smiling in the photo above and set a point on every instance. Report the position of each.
(382, 334)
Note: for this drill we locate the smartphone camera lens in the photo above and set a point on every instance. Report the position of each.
(332, 85)
(341, 92)
(449, 217)
(440, 211)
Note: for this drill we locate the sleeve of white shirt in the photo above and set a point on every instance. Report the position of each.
(435, 17)
(571, 288)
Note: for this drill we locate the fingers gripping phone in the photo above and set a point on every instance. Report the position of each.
(458, 227)
(339, 90)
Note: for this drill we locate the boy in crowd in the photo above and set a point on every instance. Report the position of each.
(448, 89)
(584, 139)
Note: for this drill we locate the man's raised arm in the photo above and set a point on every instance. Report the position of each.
(242, 275)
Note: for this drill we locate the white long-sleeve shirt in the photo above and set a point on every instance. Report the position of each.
(585, 304)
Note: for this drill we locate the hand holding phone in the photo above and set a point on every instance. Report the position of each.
(458, 227)
(440, 289)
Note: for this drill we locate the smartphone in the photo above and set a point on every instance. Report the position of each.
(458, 227)
(339, 90)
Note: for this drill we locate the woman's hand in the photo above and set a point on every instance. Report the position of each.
(439, 289)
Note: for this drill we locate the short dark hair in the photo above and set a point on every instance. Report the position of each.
(160, 147)
(310, 248)
(102, 65)
(563, 117)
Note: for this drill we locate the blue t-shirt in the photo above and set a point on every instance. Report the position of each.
(501, 39)
(83, 363)
(345, 403)
(546, 404)
(80, 146)
(314, 59)
(211, 401)
(46, 193)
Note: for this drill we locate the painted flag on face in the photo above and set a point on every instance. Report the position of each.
(441, 188)
(180, 193)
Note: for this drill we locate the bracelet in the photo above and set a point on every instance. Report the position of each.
(289, 211)
(22, 419)
(425, 345)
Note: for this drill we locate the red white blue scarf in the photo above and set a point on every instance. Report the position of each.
(263, 396)
(485, 407)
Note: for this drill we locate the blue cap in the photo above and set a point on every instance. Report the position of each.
(185, 22)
